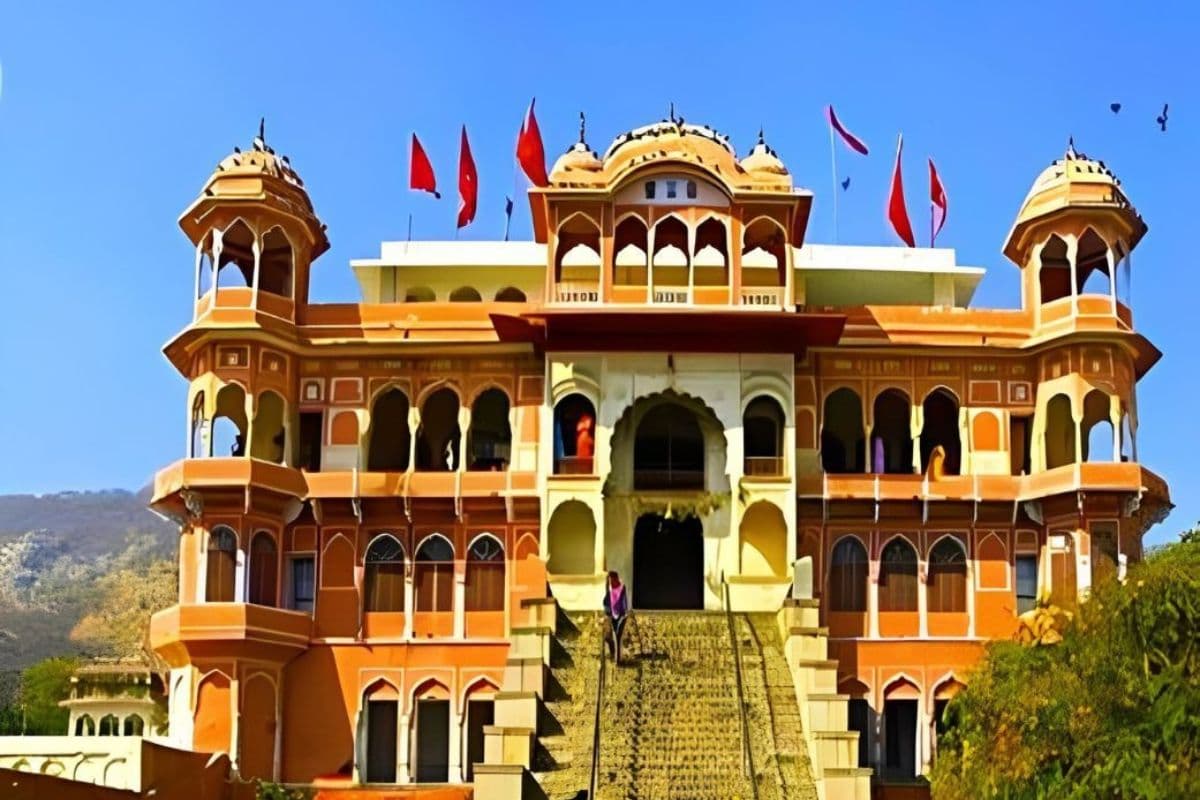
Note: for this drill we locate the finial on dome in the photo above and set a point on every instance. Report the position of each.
(671, 111)
(761, 138)
(1071, 152)
(260, 141)
(582, 127)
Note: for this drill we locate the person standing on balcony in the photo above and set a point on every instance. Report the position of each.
(616, 611)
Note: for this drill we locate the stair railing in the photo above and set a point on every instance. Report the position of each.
(747, 754)
(594, 779)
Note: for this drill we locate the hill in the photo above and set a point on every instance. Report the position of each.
(53, 548)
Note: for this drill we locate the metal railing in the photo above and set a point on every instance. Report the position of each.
(747, 755)
(594, 779)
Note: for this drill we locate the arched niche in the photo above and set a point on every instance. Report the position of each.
(891, 436)
(489, 439)
(763, 538)
(1096, 428)
(574, 435)
(276, 270)
(270, 434)
(1054, 274)
(577, 250)
(572, 540)
(439, 433)
(630, 245)
(1059, 439)
(764, 253)
(389, 439)
(762, 430)
(236, 265)
(710, 253)
(671, 258)
(229, 423)
(940, 430)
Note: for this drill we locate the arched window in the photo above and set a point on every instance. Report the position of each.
(270, 436)
(419, 294)
(947, 583)
(843, 439)
(276, 264)
(762, 429)
(263, 569)
(510, 294)
(383, 585)
(1091, 265)
(1097, 439)
(630, 243)
(485, 575)
(1060, 432)
(898, 576)
(222, 565)
(438, 436)
(670, 258)
(465, 294)
(85, 726)
(134, 725)
(710, 255)
(577, 252)
(236, 266)
(668, 449)
(389, 441)
(940, 429)
(764, 254)
(1054, 276)
(574, 435)
(891, 437)
(110, 725)
(848, 576)
(229, 422)
(489, 439)
(434, 575)
(572, 540)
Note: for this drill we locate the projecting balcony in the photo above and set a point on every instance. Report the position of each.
(183, 633)
(1125, 477)
(214, 475)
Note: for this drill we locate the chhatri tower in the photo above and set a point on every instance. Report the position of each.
(826, 478)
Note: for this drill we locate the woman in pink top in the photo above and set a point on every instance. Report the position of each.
(616, 610)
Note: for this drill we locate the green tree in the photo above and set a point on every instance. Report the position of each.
(1113, 710)
(42, 686)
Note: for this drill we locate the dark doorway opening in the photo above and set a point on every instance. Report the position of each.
(479, 714)
(311, 426)
(381, 741)
(668, 563)
(900, 738)
(433, 741)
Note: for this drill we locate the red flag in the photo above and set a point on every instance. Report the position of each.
(468, 182)
(531, 155)
(853, 142)
(938, 204)
(420, 171)
(896, 212)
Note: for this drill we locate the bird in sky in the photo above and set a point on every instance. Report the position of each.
(1115, 107)
(846, 184)
(1161, 119)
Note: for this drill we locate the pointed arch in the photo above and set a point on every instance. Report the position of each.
(631, 244)
(221, 565)
(898, 575)
(229, 423)
(940, 412)
(264, 568)
(763, 423)
(276, 271)
(1059, 439)
(1091, 264)
(433, 574)
(1054, 272)
(1096, 434)
(764, 253)
(388, 436)
(946, 581)
(439, 432)
(710, 252)
(485, 586)
(891, 433)
(848, 575)
(670, 259)
(235, 266)
(270, 427)
(383, 575)
(577, 249)
(489, 439)
(574, 435)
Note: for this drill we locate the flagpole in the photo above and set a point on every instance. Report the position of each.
(833, 164)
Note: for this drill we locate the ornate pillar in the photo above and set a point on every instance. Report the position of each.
(873, 594)
(916, 421)
(409, 601)
(464, 431)
(1114, 418)
(922, 597)
(414, 426)
(404, 746)
(460, 599)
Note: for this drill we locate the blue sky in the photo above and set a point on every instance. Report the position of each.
(110, 124)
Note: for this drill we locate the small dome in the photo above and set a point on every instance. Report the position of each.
(578, 157)
(762, 159)
(260, 162)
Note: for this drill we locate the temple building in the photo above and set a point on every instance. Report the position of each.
(397, 515)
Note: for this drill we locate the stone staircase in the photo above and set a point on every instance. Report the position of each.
(781, 758)
(670, 726)
(562, 759)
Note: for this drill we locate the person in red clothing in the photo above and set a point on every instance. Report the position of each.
(616, 611)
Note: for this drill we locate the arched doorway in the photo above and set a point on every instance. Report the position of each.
(668, 563)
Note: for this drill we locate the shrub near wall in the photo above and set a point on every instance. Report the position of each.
(1111, 711)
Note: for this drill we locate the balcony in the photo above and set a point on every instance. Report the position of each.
(574, 465)
(765, 297)
(763, 467)
(668, 479)
(577, 292)
(183, 633)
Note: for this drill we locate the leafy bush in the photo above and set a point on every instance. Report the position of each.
(1111, 711)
